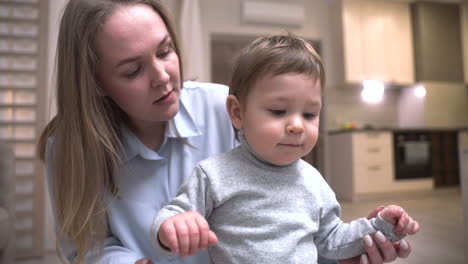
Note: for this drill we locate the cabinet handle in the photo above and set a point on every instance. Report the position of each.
(374, 168)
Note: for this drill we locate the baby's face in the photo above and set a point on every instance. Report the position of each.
(281, 115)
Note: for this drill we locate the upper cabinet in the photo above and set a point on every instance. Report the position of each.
(437, 42)
(376, 40)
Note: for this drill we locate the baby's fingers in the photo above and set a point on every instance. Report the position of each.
(168, 236)
(412, 228)
(402, 224)
(212, 239)
(183, 237)
(204, 232)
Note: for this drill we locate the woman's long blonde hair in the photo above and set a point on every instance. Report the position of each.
(85, 131)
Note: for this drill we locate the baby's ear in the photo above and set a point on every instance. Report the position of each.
(234, 110)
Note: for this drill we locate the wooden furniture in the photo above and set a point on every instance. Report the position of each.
(376, 40)
(362, 165)
(445, 163)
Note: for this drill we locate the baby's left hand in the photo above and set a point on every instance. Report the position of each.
(404, 224)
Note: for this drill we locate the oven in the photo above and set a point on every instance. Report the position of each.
(412, 150)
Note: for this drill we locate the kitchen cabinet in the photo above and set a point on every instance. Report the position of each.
(445, 164)
(362, 165)
(376, 40)
(437, 42)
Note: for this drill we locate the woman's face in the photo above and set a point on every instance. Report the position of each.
(138, 67)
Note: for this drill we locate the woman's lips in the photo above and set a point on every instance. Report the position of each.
(166, 98)
(291, 145)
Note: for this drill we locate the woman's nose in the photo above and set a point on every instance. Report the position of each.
(295, 125)
(159, 75)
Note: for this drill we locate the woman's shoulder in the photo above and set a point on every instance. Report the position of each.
(205, 89)
(197, 95)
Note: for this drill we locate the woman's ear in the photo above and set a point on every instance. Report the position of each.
(234, 110)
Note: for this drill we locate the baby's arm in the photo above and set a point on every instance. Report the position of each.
(181, 222)
(185, 233)
(337, 240)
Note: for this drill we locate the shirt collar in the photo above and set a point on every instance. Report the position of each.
(183, 121)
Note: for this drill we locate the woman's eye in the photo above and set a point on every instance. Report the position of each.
(133, 74)
(276, 112)
(165, 53)
(308, 116)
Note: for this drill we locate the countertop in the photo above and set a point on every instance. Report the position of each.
(388, 129)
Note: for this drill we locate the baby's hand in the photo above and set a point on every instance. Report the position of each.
(404, 224)
(185, 233)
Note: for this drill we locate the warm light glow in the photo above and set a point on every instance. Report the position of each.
(372, 92)
(419, 91)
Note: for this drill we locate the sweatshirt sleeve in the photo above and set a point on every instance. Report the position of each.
(193, 195)
(338, 240)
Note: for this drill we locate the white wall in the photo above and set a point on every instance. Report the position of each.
(410, 109)
(345, 105)
(223, 17)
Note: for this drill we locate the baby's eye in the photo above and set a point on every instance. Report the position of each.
(277, 112)
(308, 116)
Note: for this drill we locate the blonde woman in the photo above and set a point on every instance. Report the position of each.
(126, 135)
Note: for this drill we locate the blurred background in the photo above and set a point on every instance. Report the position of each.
(394, 126)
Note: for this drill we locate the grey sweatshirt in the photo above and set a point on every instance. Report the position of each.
(262, 213)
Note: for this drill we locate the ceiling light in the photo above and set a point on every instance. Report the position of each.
(372, 92)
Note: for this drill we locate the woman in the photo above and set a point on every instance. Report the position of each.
(126, 135)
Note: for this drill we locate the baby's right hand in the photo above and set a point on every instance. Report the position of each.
(404, 224)
(185, 233)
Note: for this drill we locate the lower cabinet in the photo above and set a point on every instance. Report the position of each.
(362, 165)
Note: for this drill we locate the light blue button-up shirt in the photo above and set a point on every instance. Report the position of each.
(150, 179)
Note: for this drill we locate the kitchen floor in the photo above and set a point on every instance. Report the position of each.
(439, 213)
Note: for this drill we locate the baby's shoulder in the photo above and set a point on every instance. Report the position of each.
(221, 163)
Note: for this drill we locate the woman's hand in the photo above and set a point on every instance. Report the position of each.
(379, 248)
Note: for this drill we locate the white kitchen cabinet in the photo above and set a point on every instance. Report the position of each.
(362, 165)
(376, 40)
